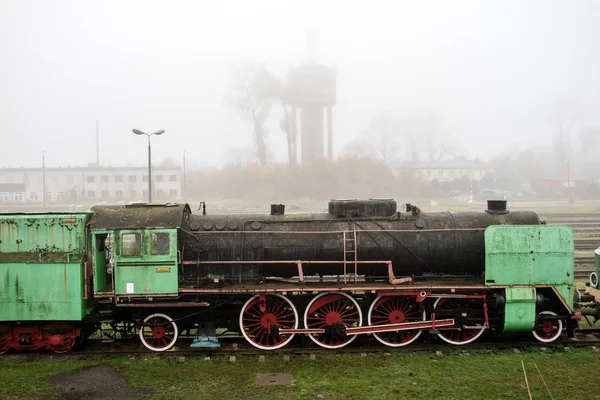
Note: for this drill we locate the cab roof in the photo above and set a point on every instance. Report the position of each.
(139, 216)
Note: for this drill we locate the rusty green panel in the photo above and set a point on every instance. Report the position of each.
(139, 270)
(43, 232)
(42, 291)
(519, 312)
(530, 255)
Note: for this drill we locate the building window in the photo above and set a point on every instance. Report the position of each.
(159, 178)
(90, 179)
(48, 195)
(173, 192)
(3, 196)
(132, 194)
(160, 193)
(172, 178)
(144, 178)
(131, 243)
(18, 196)
(90, 193)
(132, 178)
(118, 178)
(60, 196)
(33, 196)
(104, 194)
(144, 193)
(118, 194)
(160, 243)
(70, 179)
(104, 179)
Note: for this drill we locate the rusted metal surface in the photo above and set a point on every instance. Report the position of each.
(140, 216)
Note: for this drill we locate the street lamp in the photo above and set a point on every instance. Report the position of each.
(44, 178)
(160, 132)
(184, 194)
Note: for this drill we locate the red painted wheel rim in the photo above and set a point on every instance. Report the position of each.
(547, 329)
(395, 310)
(257, 324)
(329, 310)
(450, 304)
(159, 332)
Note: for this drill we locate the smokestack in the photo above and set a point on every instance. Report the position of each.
(496, 207)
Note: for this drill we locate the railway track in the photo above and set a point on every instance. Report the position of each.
(584, 338)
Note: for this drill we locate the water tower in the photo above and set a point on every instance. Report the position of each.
(312, 92)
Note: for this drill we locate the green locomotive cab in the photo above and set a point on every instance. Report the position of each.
(136, 249)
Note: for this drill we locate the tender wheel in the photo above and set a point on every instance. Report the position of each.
(450, 308)
(264, 311)
(158, 332)
(387, 310)
(333, 312)
(547, 330)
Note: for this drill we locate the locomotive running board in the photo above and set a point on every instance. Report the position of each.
(359, 330)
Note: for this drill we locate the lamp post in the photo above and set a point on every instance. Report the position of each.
(160, 132)
(184, 194)
(44, 178)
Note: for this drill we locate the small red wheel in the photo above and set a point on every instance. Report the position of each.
(264, 311)
(387, 310)
(547, 330)
(158, 332)
(333, 312)
(451, 307)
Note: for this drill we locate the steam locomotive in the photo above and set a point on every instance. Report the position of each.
(361, 268)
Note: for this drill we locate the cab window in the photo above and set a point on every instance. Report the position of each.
(160, 243)
(131, 244)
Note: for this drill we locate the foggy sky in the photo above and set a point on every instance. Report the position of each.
(488, 68)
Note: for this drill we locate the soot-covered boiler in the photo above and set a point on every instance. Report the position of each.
(416, 242)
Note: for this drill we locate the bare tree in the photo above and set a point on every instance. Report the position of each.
(251, 92)
(408, 134)
(562, 118)
(386, 130)
(287, 123)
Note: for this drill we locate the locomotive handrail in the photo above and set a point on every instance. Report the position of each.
(337, 232)
(392, 278)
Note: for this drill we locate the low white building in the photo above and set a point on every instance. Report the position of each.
(91, 184)
(442, 171)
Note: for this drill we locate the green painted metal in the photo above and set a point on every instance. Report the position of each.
(530, 255)
(42, 292)
(43, 232)
(519, 313)
(146, 273)
(42, 267)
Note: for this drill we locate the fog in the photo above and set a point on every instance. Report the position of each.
(493, 72)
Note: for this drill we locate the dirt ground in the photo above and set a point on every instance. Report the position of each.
(101, 382)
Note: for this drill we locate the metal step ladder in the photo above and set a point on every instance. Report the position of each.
(350, 255)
